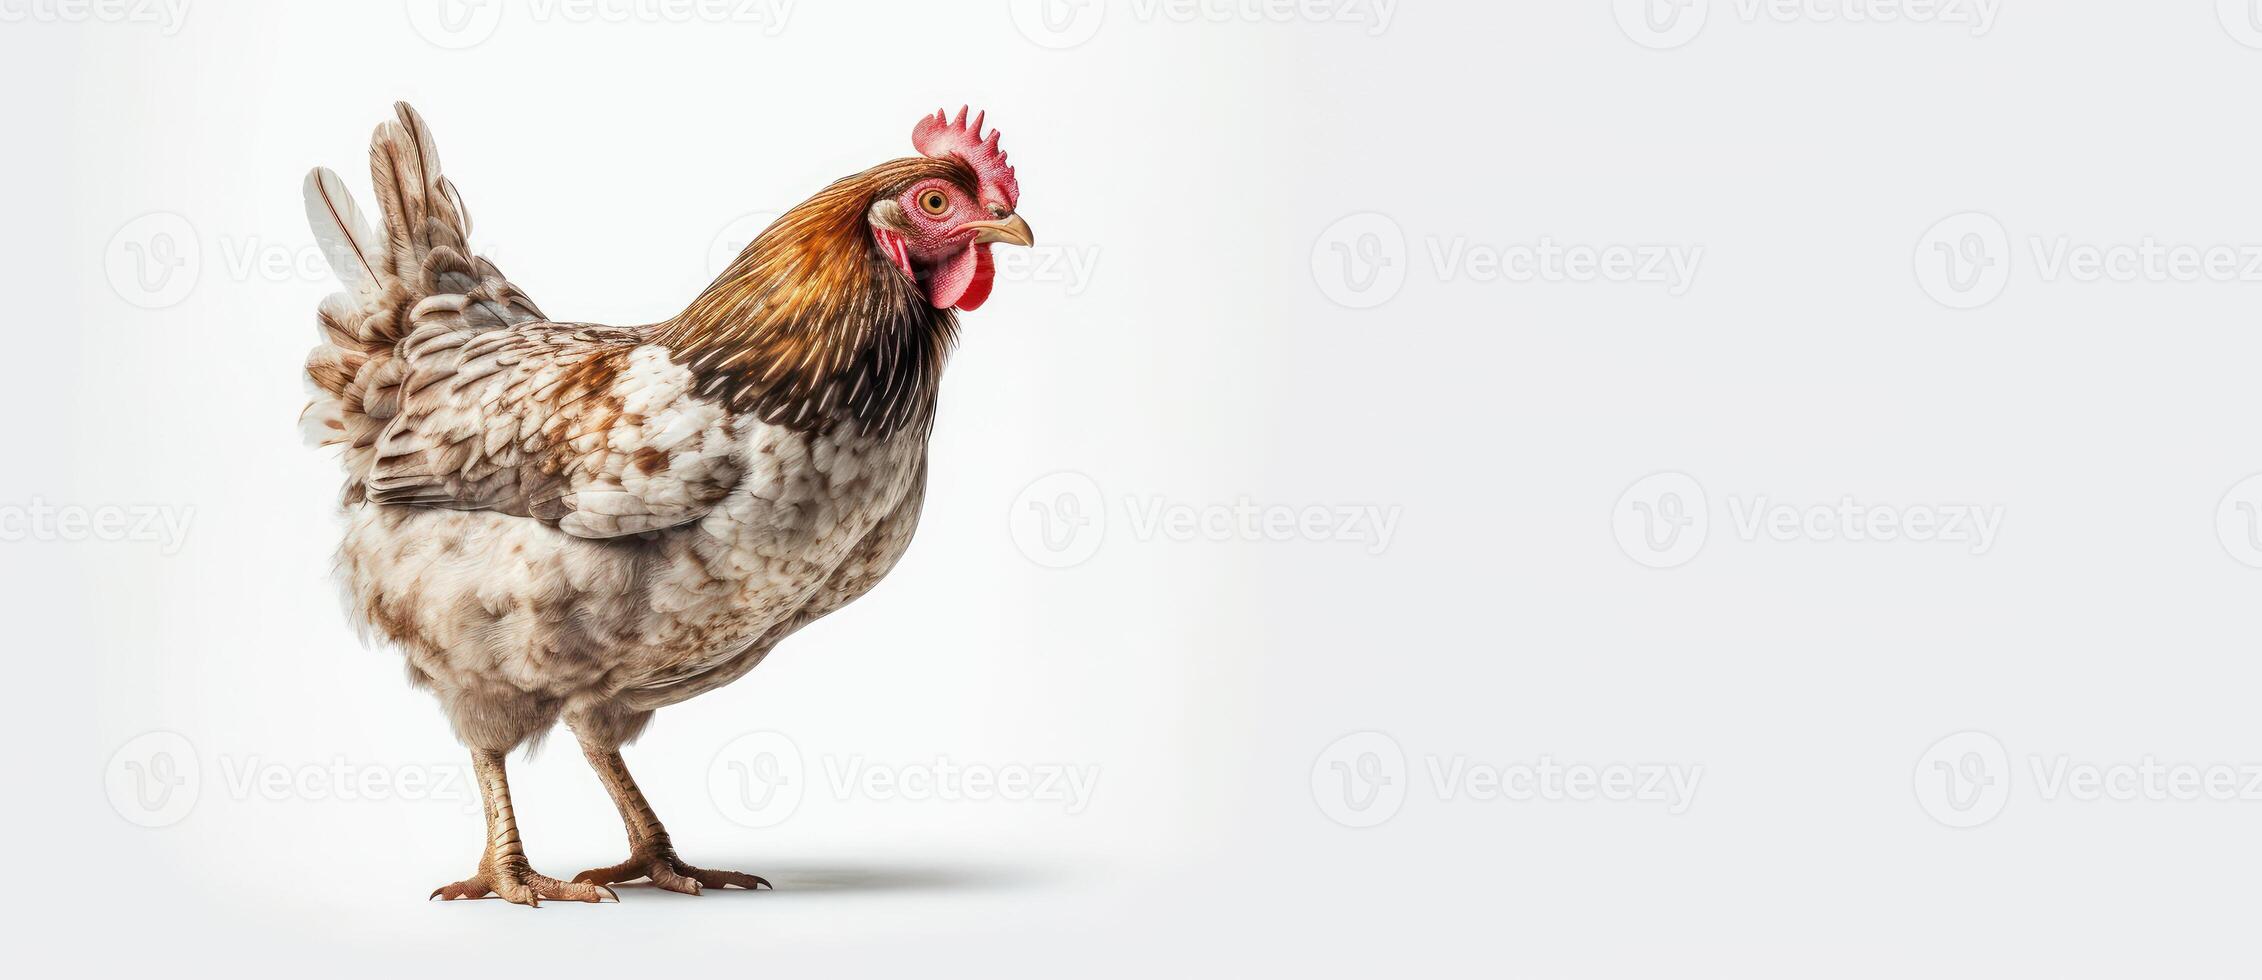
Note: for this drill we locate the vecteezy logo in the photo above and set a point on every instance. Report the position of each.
(1360, 780)
(1963, 780)
(153, 261)
(1360, 260)
(1661, 521)
(153, 779)
(1059, 519)
(1662, 24)
(455, 24)
(1964, 261)
(756, 780)
(1058, 24)
(733, 239)
(2238, 521)
(2242, 20)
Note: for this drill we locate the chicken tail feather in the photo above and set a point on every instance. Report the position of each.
(343, 234)
(419, 250)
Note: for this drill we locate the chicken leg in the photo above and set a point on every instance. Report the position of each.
(503, 869)
(650, 855)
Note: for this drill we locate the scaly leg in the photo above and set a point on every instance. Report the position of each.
(502, 867)
(650, 855)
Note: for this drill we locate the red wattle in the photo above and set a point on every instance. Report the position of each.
(964, 281)
(978, 291)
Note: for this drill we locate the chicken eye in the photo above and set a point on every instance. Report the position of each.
(933, 202)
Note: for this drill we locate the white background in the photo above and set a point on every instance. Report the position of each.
(1217, 351)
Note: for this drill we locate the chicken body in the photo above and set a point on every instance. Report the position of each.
(513, 622)
(569, 521)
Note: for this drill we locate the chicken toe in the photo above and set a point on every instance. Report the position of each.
(668, 871)
(523, 887)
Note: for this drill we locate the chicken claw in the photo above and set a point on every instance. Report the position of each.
(668, 871)
(502, 866)
(650, 853)
(523, 887)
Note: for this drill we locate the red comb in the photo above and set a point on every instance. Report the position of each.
(938, 136)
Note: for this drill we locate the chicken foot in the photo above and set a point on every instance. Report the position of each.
(650, 854)
(503, 869)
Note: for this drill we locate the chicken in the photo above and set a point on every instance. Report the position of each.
(557, 520)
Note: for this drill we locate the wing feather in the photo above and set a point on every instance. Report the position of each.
(589, 428)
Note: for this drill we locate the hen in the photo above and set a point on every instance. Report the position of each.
(565, 520)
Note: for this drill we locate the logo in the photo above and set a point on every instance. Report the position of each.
(154, 260)
(1058, 24)
(1964, 261)
(2238, 521)
(1661, 521)
(1360, 779)
(1662, 24)
(153, 779)
(1059, 520)
(2242, 19)
(1964, 780)
(1359, 262)
(455, 24)
(756, 780)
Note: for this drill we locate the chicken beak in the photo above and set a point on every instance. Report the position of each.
(1012, 231)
